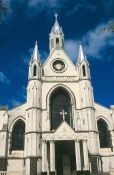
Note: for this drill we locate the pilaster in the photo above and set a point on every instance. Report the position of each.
(85, 155)
(77, 154)
(44, 157)
(52, 158)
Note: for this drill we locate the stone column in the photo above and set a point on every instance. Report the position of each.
(39, 166)
(44, 158)
(52, 158)
(77, 154)
(85, 155)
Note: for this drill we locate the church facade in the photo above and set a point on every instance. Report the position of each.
(59, 130)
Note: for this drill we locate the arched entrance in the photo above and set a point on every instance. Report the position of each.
(60, 107)
(65, 158)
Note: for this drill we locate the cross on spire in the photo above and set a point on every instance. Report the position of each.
(63, 113)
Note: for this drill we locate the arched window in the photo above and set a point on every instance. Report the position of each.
(104, 134)
(84, 70)
(18, 135)
(60, 107)
(34, 70)
(57, 40)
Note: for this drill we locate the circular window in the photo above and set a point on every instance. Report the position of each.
(58, 65)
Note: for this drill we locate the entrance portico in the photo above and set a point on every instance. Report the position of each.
(65, 157)
(64, 152)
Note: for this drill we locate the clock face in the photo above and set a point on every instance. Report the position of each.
(58, 65)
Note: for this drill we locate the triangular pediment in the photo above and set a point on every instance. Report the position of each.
(59, 54)
(64, 131)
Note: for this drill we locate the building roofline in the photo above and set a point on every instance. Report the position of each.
(17, 106)
(102, 105)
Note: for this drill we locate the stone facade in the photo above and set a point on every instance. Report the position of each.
(59, 129)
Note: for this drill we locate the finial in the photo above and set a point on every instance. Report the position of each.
(80, 43)
(36, 43)
(56, 15)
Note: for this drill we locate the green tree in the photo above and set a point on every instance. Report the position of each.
(3, 10)
(108, 28)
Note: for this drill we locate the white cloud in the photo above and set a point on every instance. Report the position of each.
(26, 57)
(43, 55)
(94, 45)
(85, 6)
(82, 7)
(34, 7)
(3, 78)
(71, 47)
(15, 103)
(19, 98)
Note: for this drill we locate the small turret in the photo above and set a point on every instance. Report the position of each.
(56, 36)
(33, 113)
(82, 63)
(35, 64)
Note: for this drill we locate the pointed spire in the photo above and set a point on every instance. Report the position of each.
(36, 55)
(56, 28)
(81, 55)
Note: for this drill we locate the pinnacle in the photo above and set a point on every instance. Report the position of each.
(81, 55)
(56, 28)
(35, 55)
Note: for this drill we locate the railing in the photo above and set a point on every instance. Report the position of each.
(11, 173)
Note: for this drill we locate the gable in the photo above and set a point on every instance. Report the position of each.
(101, 110)
(64, 131)
(69, 69)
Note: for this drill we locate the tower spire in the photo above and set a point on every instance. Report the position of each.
(56, 36)
(56, 28)
(81, 55)
(36, 55)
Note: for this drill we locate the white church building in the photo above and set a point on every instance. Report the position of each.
(60, 129)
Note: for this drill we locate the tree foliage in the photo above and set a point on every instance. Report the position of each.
(108, 28)
(3, 12)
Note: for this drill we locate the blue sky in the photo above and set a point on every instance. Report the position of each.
(31, 20)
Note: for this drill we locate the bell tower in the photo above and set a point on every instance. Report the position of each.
(56, 36)
(33, 115)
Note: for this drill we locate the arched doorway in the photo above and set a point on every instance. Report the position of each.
(104, 134)
(18, 135)
(60, 107)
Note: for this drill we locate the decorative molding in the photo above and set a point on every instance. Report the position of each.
(60, 79)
